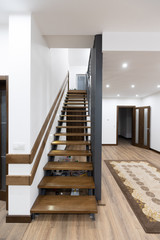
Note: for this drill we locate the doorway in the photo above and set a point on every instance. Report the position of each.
(81, 81)
(126, 123)
(3, 135)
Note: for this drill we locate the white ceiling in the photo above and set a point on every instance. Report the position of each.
(143, 71)
(90, 17)
(74, 17)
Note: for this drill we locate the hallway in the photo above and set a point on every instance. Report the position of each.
(114, 221)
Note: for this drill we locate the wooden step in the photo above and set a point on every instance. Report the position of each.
(72, 134)
(74, 111)
(76, 97)
(71, 143)
(72, 166)
(64, 204)
(75, 121)
(56, 182)
(74, 115)
(76, 94)
(76, 104)
(75, 127)
(77, 91)
(75, 107)
(69, 153)
(74, 100)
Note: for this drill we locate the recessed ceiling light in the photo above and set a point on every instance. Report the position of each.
(158, 86)
(107, 86)
(118, 95)
(137, 95)
(132, 86)
(124, 65)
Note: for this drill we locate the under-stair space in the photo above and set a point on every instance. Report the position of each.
(68, 185)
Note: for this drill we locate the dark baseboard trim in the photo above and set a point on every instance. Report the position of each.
(109, 144)
(155, 150)
(2, 195)
(18, 219)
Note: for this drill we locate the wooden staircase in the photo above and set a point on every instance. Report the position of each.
(74, 169)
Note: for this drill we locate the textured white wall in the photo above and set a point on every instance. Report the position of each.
(4, 42)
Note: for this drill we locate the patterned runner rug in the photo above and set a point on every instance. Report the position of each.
(140, 183)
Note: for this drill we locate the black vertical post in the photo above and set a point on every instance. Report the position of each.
(96, 111)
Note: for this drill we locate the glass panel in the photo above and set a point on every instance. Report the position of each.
(145, 126)
(137, 127)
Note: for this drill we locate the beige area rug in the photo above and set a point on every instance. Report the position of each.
(140, 183)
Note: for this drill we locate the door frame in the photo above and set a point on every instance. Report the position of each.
(149, 127)
(133, 121)
(4, 194)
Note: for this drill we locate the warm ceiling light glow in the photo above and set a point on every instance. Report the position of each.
(158, 86)
(124, 65)
(132, 86)
(107, 86)
(118, 95)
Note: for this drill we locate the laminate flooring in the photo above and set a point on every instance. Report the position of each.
(114, 221)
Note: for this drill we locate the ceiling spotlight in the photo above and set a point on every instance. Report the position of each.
(158, 86)
(124, 65)
(137, 95)
(107, 86)
(118, 95)
(132, 86)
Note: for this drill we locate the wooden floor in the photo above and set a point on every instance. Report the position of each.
(115, 221)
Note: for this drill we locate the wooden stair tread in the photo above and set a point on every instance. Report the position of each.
(75, 107)
(67, 182)
(75, 96)
(69, 153)
(74, 115)
(74, 100)
(80, 111)
(73, 127)
(72, 134)
(69, 166)
(77, 91)
(64, 204)
(76, 104)
(76, 121)
(71, 143)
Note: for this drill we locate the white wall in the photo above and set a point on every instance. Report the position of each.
(78, 64)
(154, 102)
(19, 82)
(4, 42)
(109, 116)
(36, 74)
